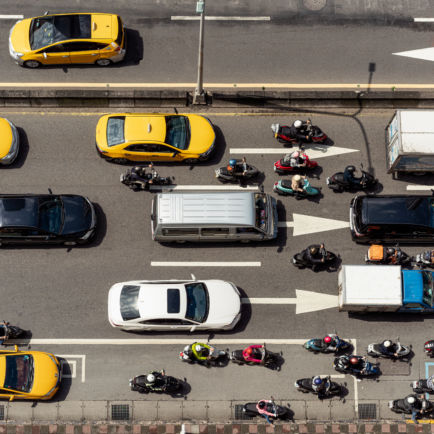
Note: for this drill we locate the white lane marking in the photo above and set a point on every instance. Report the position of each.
(11, 17)
(205, 264)
(68, 358)
(202, 187)
(72, 364)
(313, 151)
(217, 18)
(424, 20)
(422, 54)
(305, 301)
(414, 187)
(306, 224)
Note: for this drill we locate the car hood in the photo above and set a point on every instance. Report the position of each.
(20, 36)
(78, 215)
(46, 373)
(202, 134)
(114, 307)
(224, 301)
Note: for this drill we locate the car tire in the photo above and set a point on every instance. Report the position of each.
(103, 62)
(191, 160)
(32, 64)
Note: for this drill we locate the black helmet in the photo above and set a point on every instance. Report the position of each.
(261, 404)
(351, 169)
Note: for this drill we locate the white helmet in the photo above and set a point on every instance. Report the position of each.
(411, 400)
(297, 178)
(298, 123)
(198, 348)
(150, 378)
(387, 344)
(296, 154)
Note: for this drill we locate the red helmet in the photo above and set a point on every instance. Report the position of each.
(354, 360)
(327, 339)
(249, 351)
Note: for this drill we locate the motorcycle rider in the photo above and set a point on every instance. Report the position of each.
(252, 353)
(295, 160)
(418, 406)
(390, 348)
(353, 363)
(329, 342)
(3, 329)
(297, 183)
(430, 382)
(155, 380)
(298, 130)
(349, 175)
(231, 166)
(315, 255)
(261, 406)
(153, 173)
(320, 386)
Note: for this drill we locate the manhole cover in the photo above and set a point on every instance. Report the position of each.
(314, 5)
(120, 412)
(367, 411)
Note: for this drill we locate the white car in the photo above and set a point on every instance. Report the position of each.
(174, 305)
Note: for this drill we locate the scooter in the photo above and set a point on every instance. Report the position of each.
(317, 345)
(238, 174)
(378, 254)
(300, 260)
(138, 179)
(270, 409)
(305, 385)
(403, 406)
(425, 259)
(421, 386)
(283, 166)
(428, 348)
(364, 369)
(314, 133)
(284, 188)
(214, 357)
(338, 183)
(10, 332)
(259, 355)
(166, 384)
(380, 350)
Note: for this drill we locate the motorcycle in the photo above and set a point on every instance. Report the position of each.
(314, 133)
(270, 409)
(305, 385)
(421, 386)
(138, 179)
(378, 254)
(380, 350)
(10, 332)
(284, 188)
(163, 384)
(213, 355)
(300, 260)
(238, 174)
(283, 166)
(425, 259)
(363, 369)
(259, 355)
(428, 348)
(317, 345)
(421, 405)
(338, 183)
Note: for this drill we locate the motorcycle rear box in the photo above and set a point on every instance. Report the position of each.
(370, 288)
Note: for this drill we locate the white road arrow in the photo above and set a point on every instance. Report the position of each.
(305, 301)
(313, 151)
(306, 224)
(422, 53)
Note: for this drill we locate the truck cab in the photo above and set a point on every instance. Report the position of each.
(417, 291)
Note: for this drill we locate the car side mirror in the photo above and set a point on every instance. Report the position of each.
(193, 328)
(44, 54)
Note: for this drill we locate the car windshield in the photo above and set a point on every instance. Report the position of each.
(51, 215)
(197, 302)
(130, 302)
(19, 373)
(427, 288)
(177, 131)
(261, 211)
(115, 131)
(47, 30)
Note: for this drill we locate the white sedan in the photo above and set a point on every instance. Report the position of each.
(171, 305)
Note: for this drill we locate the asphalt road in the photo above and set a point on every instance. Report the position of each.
(344, 44)
(61, 293)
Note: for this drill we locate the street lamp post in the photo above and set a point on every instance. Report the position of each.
(199, 94)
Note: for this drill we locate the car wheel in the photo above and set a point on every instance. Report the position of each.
(191, 160)
(32, 64)
(103, 62)
(119, 160)
(70, 243)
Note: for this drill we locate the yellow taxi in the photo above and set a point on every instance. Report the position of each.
(127, 137)
(68, 38)
(9, 142)
(28, 374)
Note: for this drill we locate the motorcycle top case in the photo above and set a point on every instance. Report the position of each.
(376, 253)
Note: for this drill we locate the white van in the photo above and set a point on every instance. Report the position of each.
(213, 216)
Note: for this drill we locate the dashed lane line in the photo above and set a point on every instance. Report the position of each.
(205, 264)
(218, 18)
(424, 20)
(203, 187)
(11, 17)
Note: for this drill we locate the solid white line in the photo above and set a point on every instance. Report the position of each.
(217, 18)
(257, 150)
(205, 264)
(420, 187)
(269, 300)
(424, 20)
(203, 187)
(83, 363)
(11, 17)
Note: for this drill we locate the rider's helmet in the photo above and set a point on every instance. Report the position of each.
(317, 381)
(390, 250)
(387, 344)
(411, 399)
(327, 339)
(313, 250)
(150, 378)
(354, 360)
(297, 178)
(198, 348)
(232, 162)
(249, 351)
(350, 169)
(296, 154)
(261, 404)
(298, 123)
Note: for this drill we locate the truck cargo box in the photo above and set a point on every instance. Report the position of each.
(370, 288)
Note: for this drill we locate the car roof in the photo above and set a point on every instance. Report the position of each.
(145, 128)
(412, 210)
(19, 211)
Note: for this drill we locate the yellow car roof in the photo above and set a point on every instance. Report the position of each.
(145, 128)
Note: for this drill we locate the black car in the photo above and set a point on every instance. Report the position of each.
(400, 218)
(46, 219)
